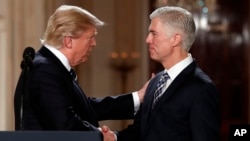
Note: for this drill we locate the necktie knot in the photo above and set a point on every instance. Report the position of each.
(73, 74)
(164, 77)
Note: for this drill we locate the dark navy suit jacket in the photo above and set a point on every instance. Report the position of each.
(187, 111)
(54, 101)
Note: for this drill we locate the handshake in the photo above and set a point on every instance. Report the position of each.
(108, 135)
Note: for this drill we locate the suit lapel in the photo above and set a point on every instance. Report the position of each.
(148, 114)
(85, 105)
(77, 93)
(175, 84)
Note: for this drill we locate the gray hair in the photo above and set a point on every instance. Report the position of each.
(177, 19)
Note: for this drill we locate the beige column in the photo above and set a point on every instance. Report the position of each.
(22, 24)
(5, 81)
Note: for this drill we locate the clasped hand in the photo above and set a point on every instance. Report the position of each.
(108, 135)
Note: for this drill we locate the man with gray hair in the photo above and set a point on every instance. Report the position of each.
(181, 102)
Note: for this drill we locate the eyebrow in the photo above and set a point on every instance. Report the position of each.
(153, 31)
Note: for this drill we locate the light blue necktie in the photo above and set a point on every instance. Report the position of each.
(159, 87)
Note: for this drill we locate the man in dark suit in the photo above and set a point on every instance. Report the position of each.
(181, 103)
(51, 98)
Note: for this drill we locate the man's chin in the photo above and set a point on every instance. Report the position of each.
(151, 55)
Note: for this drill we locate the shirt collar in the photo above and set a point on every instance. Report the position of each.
(179, 67)
(59, 55)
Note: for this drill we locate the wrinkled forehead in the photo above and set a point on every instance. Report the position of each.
(90, 31)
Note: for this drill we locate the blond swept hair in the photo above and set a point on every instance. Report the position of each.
(68, 20)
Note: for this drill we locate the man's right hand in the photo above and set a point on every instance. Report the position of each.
(108, 135)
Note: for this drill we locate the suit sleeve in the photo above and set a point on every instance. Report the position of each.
(205, 115)
(114, 107)
(132, 132)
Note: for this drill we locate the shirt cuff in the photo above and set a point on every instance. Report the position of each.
(136, 101)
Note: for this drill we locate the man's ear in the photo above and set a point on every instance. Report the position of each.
(177, 39)
(67, 41)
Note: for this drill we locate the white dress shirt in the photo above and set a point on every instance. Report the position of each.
(174, 71)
